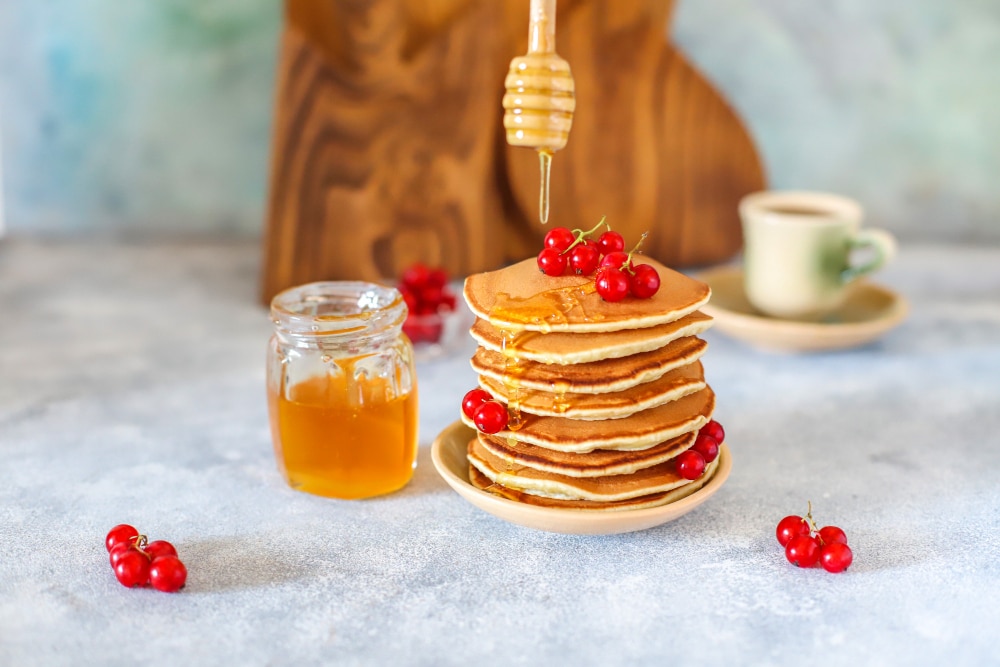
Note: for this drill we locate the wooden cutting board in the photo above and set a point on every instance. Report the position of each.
(388, 143)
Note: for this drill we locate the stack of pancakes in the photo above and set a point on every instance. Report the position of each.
(601, 396)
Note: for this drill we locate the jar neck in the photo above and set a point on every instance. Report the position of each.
(348, 316)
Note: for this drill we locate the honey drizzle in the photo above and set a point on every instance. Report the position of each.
(548, 308)
(545, 165)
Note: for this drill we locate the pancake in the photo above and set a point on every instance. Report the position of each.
(568, 348)
(596, 377)
(481, 481)
(597, 463)
(660, 478)
(668, 387)
(638, 431)
(519, 297)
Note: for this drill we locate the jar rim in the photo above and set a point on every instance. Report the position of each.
(334, 308)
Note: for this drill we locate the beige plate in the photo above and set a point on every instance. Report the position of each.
(868, 312)
(449, 455)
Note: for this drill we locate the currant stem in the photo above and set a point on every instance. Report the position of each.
(581, 235)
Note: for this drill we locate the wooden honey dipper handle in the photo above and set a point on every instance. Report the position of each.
(542, 27)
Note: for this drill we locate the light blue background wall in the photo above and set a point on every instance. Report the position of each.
(153, 115)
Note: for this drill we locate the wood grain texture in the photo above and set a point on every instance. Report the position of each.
(388, 141)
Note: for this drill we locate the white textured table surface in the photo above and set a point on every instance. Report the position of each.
(131, 390)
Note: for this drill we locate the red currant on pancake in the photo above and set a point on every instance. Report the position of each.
(559, 238)
(159, 548)
(832, 535)
(583, 259)
(491, 417)
(167, 574)
(690, 464)
(802, 550)
(789, 527)
(617, 260)
(706, 445)
(473, 399)
(836, 557)
(120, 533)
(132, 569)
(610, 242)
(714, 429)
(644, 282)
(551, 262)
(611, 283)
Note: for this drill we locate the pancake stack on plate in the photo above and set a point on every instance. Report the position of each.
(601, 396)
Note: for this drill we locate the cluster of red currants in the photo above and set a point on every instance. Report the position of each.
(691, 462)
(488, 414)
(805, 544)
(137, 562)
(616, 276)
(427, 296)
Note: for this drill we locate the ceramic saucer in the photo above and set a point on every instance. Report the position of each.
(868, 312)
(448, 453)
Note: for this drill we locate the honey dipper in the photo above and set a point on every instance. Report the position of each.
(539, 102)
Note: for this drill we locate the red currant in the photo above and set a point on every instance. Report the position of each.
(610, 242)
(551, 263)
(491, 417)
(836, 557)
(802, 550)
(644, 282)
(690, 464)
(473, 399)
(167, 574)
(559, 239)
(791, 526)
(416, 276)
(160, 548)
(617, 260)
(706, 445)
(437, 278)
(120, 533)
(611, 283)
(583, 259)
(132, 569)
(448, 301)
(120, 550)
(714, 429)
(832, 535)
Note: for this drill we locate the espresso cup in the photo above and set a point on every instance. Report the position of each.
(797, 251)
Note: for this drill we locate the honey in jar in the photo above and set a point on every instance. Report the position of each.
(342, 389)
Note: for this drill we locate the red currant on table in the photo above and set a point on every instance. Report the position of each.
(611, 283)
(690, 464)
(167, 574)
(132, 569)
(120, 550)
(437, 278)
(644, 282)
(551, 262)
(832, 535)
(706, 445)
(791, 526)
(836, 557)
(714, 429)
(416, 276)
(120, 533)
(583, 259)
(160, 548)
(610, 242)
(559, 239)
(473, 399)
(491, 417)
(802, 550)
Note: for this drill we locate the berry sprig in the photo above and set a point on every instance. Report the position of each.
(427, 296)
(806, 544)
(616, 276)
(488, 414)
(691, 463)
(138, 562)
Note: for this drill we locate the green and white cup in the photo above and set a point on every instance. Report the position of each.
(797, 251)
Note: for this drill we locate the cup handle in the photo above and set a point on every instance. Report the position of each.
(884, 245)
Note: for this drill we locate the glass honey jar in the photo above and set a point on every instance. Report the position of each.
(342, 389)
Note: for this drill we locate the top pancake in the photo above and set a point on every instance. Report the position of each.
(519, 297)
